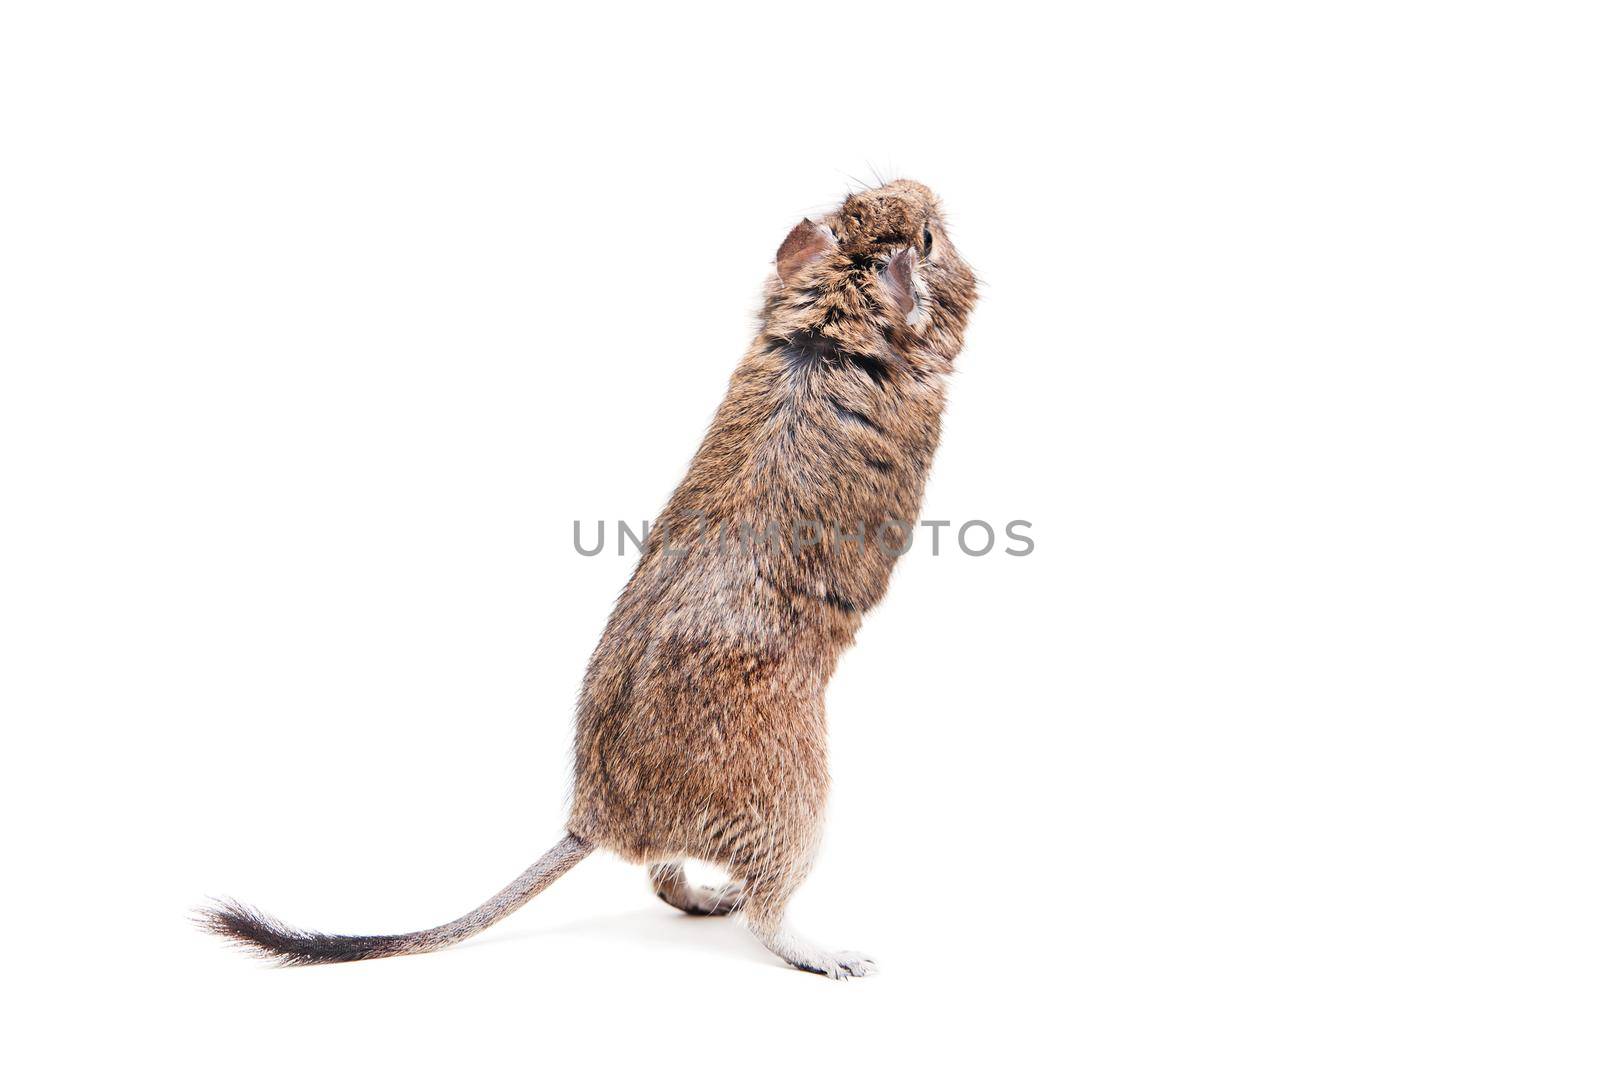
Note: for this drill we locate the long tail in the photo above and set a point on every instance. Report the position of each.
(271, 939)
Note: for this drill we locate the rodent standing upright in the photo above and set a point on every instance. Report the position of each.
(700, 728)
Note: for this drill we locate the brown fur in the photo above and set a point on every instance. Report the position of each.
(701, 726)
(700, 729)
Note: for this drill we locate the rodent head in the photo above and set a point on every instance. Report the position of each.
(879, 277)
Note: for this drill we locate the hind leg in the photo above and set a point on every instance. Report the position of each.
(767, 896)
(671, 886)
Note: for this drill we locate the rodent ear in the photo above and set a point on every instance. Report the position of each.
(804, 244)
(898, 279)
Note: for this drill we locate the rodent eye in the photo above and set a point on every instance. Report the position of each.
(927, 241)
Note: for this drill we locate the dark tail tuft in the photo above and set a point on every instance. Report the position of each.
(262, 935)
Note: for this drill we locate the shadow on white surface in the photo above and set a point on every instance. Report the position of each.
(650, 928)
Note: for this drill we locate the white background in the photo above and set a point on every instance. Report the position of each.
(321, 323)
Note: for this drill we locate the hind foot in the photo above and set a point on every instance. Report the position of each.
(837, 965)
(671, 886)
(802, 955)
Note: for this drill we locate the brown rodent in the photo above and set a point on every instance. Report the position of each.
(700, 729)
